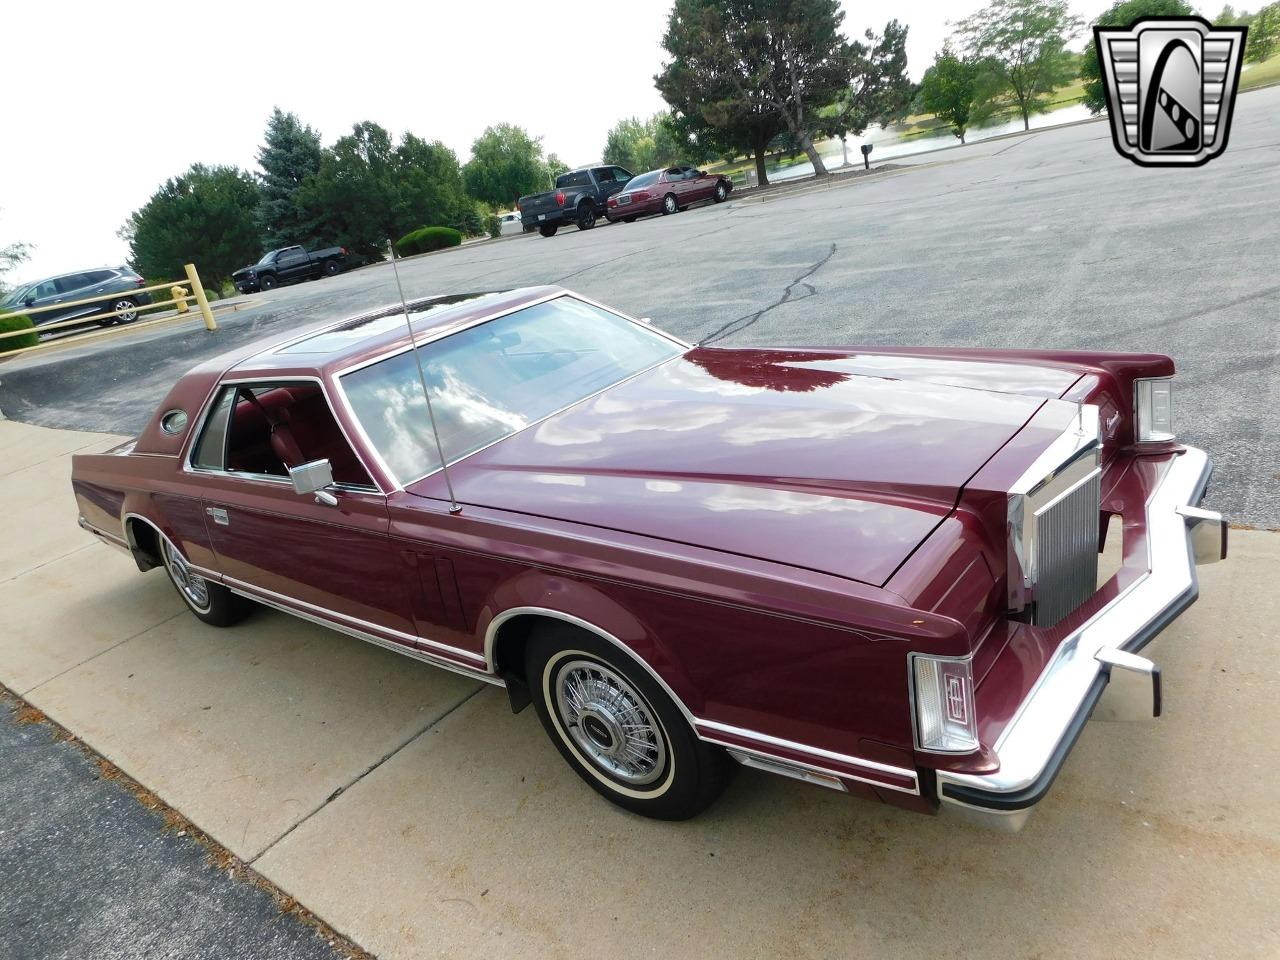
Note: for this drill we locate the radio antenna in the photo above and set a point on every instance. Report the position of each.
(454, 506)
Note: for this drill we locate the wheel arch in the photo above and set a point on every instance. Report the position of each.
(143, 537)
(509, 631)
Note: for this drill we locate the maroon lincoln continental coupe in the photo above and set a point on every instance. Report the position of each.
(875, 570)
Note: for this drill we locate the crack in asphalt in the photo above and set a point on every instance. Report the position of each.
(743, 322)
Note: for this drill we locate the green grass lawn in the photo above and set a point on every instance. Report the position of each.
(1268, 71)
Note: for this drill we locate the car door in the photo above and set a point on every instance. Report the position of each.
(292, 264)
(607, 183)
(46, 294)
(700, 185)
(332, 562)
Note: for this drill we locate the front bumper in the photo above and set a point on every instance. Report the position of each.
(1035, 744)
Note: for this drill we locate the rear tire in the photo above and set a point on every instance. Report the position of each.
(332, 268)
(586, 216)
(267, 283)
(212, 603)
(618, 729)
(548, 229)
(669, 205)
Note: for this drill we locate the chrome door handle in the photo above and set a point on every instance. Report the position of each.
(218, 515)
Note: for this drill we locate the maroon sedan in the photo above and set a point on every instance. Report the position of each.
(665, 192)
(875, 570)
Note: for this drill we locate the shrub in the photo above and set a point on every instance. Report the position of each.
(14, 322)
(426, 239)
(494, 226)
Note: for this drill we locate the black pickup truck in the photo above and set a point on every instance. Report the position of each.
(287, 265)
(579, 197)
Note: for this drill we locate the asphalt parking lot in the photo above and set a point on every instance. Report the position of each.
(1044, 240)
(408, 808)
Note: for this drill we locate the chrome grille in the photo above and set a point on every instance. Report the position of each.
(1066, 550)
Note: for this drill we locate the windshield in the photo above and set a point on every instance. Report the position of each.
(644, 180)
(491, 380)
(13, 297)
(267, 257)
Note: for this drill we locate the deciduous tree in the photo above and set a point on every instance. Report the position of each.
(12, 256)
(1264, 33)
(290, 153)
(206, 216)
(1120, 15)
(958, 91)
(738, 59)
(506, 163)
(353, 195)
(1025, 40)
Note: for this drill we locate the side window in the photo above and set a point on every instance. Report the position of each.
(289, 257)
(46, 288)
(603, 174)
(675, 174)
(100, 276)
(267, 428)
(73, 282)
(621, 175)
(211, 448)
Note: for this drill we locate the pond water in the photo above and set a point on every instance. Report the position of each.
(889, 143)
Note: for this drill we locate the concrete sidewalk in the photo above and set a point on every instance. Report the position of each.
(409, 809)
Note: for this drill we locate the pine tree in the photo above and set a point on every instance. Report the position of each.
(291, 153)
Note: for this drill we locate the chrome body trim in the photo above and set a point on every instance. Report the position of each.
(817, 753)
(1034, 744)
(390, 354)
(351, 626)
(784, 768)
(110, 539)
(491, 635)
(1065, 464)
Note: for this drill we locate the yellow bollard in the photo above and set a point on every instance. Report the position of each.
(201, 299)
(179, 296)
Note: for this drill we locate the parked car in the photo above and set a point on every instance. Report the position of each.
(666, 191)
(510, 224)
(579, 198)
(289, 265)
(871, 569)
(71, 288)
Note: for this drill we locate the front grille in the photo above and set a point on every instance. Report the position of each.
(1066, 550)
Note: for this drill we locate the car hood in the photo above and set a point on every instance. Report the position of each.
(842, 463)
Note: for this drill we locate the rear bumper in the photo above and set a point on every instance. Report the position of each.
(558, 217)
(1035, 744)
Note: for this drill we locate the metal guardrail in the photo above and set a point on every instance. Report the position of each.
(178, 292)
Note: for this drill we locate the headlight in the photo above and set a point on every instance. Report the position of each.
(1153, 409)
(943, 697)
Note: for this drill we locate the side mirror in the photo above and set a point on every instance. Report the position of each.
(314, 477)
(30, 301)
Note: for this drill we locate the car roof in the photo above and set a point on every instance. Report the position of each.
(326, 349)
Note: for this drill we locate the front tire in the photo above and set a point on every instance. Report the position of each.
(669, 205)
(267, 283)
(332, 268)
(618, 729)
(722, 192)
(212, 603)
(548, 229)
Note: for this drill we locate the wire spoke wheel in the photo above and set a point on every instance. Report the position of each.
(610, 722)
(194, 589)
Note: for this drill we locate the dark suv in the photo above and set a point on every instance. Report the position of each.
(71, 287)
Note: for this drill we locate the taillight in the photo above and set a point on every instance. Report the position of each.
(640, 195)
(560, 198)
(943, 699)
(343, 251)
(139, 281)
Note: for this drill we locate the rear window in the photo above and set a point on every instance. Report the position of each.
(644, 180)
(578, 178)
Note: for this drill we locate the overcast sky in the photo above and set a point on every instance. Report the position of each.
(99, 110)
